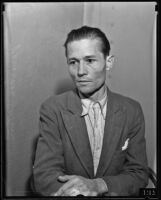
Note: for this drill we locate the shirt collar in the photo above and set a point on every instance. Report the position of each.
(88, 103)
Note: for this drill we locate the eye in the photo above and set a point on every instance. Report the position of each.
(72, 62)
(90, 61)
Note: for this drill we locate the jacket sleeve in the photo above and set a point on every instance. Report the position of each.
(134, 174)
(49, 161)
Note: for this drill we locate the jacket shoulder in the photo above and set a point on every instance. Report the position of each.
(126, 101)
(57, 101)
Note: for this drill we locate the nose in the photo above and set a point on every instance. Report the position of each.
(81, 69)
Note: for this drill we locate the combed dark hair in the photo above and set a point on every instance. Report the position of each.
(88, 32)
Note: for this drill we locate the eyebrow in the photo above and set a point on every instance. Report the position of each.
(70, 59)
(91, 56)
(86, 57)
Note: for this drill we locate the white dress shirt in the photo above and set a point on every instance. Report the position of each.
(95, 114)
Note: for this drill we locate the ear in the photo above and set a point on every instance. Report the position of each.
(109, 62)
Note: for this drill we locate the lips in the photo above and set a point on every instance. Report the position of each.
(83, 81)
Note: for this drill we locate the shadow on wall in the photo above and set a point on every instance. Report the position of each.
(62, 86)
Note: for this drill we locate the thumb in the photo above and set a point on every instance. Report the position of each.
(64, 178)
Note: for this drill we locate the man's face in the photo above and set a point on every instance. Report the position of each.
(87, 65)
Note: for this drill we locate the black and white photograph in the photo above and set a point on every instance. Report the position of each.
(80, 99)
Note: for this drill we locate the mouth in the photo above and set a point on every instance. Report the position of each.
(83, 81)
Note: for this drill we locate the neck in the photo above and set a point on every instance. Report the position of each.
(96, 96)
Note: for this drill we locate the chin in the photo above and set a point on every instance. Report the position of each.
(86, 91)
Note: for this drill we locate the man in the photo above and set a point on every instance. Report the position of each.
(91, 140)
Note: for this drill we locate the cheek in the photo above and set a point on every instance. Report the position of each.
(99, 76)
(72, 72)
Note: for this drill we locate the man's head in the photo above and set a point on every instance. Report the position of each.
(89, 32)
(87, 52)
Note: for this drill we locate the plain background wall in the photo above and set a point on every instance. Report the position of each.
(35, 68)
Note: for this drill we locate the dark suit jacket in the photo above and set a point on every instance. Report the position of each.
(63, 146)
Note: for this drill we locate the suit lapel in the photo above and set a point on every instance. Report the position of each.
(77, 131)
(112, 132)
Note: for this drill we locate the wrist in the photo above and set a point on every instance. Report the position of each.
(101, 186)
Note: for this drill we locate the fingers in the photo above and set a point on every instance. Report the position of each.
(74, 192)
(72, 180)
(75, 185)
(71, 192)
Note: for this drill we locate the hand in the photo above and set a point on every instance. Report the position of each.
(76, 185)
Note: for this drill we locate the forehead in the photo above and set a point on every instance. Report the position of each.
(84, 46)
